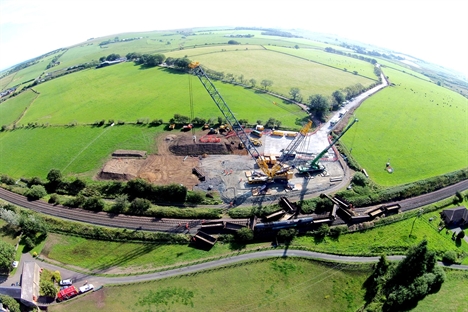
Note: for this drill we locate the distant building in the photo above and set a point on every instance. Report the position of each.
(108, 63)
(457, 216)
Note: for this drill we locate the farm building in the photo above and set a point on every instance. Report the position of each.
(457, 216)
(28, 292)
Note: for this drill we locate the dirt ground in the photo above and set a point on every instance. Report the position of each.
(177, 156)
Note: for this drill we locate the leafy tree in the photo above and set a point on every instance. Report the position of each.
(94, 203)
(233, 42)
(450, 256)
(323, 231)
(286, 235)
(35, 192)
(53, 199)
(48, 289)
(28, 243)
(319, 105)
(121, 203)
(253, 82)
(140, 205)
(7, 256)
(245, 234)
(102, 59)
(360, 179)
(295, 94)
(112, 57)
(54, 178)
(76, 186)
(34, 181)
(31, 224)
(461, 234)
(182, 63)
(266, 83)
(10, 303)
(338, 96)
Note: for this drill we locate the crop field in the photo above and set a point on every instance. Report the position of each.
(310, 78)
(334, 60)
(12, 109)
(420, 128)
(73, 150)
(126, 92)
(267, 285)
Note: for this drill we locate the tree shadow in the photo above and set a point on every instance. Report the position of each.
(237, 245)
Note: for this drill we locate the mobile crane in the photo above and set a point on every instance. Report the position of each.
(314, 166)
(278, 171)
(289, 152)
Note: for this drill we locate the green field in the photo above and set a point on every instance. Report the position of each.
(95, 255)
(334, 60)
(285, 71)
(390, 239)
(73, 150)
(11, 110)
(126, 92)
(420, 128)
(452, 297)
(267, 285)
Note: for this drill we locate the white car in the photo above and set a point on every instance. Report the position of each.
(66, 282)
(86, 288)
(15, 264)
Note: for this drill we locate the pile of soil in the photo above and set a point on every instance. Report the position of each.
(184, 145)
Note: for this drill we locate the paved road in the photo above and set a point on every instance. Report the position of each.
(80, 278)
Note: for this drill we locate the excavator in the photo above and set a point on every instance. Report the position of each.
(314, 166)
(278, 171)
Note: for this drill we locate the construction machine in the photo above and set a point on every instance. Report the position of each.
(290, 151)
(314, 166)
(278, 171)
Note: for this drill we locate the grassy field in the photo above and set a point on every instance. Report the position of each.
(26, 74)
(269, 285)
(310, 78)
(95, 255)
(420, 128)
(390, 239)
(452, 297)
(74, 150)
(337, 61)
(126, 92)
(11, 110)
(394, 238)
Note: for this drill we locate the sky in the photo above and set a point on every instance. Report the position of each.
(432, 30)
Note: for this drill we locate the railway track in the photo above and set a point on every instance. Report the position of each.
(185, 225)
(107, 219)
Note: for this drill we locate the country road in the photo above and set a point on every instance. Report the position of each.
(80, 278)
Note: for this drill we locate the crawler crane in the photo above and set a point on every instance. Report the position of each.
(278, 171)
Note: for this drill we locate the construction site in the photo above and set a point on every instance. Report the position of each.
(245, 165)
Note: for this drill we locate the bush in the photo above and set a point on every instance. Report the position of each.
(35, 192)
(194, 197)
(450, 256)
(120, 204)
(245, 234)
(94, 203)
(140, 205)
(54, 199)
(29, 243)
(10, 303)
(7, 180)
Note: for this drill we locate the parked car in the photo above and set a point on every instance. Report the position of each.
(86, 288)
(66, 282)
(15, 264)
